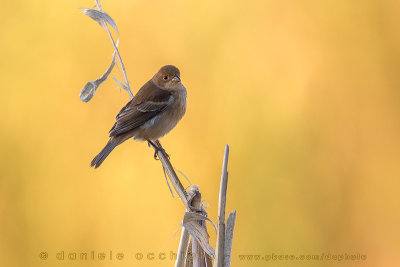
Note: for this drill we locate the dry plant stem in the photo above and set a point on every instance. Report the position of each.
(176, 183)
(197, 251)
(230, 226)
(208, 258)
(122, 65)
(183, 246)
(189, 256)
(184, 254)
(219, 258)
(119, 56)
(198, 254)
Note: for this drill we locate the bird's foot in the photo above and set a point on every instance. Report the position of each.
(156, 153)
(157, 149)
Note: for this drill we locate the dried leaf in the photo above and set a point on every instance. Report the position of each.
(194, 216)
(91, 87)
(100, 17)
(103, 19)
(88, 91)
(200, 235)
(184, 176)
(198, 254)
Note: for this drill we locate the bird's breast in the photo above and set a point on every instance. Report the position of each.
(166, 120)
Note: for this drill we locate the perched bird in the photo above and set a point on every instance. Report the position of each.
(153, 112)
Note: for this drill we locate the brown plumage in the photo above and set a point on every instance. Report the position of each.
(153, 112)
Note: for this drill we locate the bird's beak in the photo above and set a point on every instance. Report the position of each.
(176, 78)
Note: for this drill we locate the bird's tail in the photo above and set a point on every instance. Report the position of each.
(96, 162)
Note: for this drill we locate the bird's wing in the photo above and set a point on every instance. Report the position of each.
(147, 103)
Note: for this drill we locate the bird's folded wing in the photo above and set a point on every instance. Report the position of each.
(140, 110)
(151, 106)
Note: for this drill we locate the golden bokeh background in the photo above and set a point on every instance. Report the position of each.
(306, 93)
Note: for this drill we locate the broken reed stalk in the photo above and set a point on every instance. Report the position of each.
(197, 251)
(185, 251)
(230, 226)
(176, 183)
(219, 259)
(224, 231)
(182, 249)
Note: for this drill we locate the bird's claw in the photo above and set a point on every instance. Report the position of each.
(156, 153)
(157, 148)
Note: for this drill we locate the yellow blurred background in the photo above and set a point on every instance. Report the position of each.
(306, 93)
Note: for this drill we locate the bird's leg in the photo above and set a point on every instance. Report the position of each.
(149, 142)
(157, 147)
(162, 149)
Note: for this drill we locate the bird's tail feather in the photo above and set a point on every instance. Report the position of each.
(96, 162)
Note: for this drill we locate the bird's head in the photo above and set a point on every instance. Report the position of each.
(168, 77)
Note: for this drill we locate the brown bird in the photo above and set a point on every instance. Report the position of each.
(153, 112)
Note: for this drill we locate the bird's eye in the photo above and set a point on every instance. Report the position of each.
(165, 77)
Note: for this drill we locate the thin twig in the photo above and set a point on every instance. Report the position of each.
(128, 88)
(118, 54)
